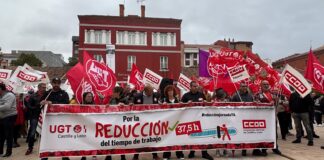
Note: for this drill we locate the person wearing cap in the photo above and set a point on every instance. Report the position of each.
(55, 96)
(33, 112)
(8, 115)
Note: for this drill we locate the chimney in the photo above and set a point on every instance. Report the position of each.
(142, 11)
(121, 10)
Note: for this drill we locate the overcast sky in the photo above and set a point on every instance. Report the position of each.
(277, 28)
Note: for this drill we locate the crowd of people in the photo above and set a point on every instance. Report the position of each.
(17, 110)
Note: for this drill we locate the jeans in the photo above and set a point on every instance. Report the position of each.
(32, 132)
(283, 123)
(298, 119)
(6, 132)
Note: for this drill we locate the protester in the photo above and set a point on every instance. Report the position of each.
(318, 107)
(171, 98)
(265, 96)
(300, 112)
(220, 95)
(194, 96)
(311, 113)
(20, 121)
(243, 95)
(282, 108)
(118, 97)
(33, 112)
(55, 96)
(146, 97)
(8, 115)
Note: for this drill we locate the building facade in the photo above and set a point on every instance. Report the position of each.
(119, 41)
(299, 60)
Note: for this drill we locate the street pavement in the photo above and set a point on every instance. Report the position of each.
(290, 151)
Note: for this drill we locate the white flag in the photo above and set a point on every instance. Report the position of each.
(184, 82)
(238, 73)
(296, 80)
(152, 78)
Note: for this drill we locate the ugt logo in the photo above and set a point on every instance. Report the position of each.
(319, 75)
(99, 75)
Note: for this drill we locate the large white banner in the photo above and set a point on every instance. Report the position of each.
(100, 130)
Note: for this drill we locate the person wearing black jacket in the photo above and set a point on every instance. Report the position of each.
(243, 95)
(146, 97)
(300, 107)
(55, 96)
(33, 112)
(194, 96)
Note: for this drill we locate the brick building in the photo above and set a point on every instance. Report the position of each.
(152, 43)
(299, 60)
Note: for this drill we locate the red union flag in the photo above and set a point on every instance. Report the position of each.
(184, 82)
(315, 72)
(152, 78)
(99, 75)
(238, 73)
(296, 80)
(136, 78)
(5, 74)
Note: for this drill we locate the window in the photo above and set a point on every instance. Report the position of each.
(191, 59)
(120, 37)
(98, 37)
(172, 39)
(163, 63)
(154, 39)
(98, 57)
(195, 59)
(163, 39)
(131, 38)
(187, 59)
(130, 61)
(142, 38)
(108, 41)
(76, 51)
(88, 37)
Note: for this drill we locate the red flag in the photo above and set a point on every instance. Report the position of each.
(315, 72)
(136, 78)
(100, 76)
(79, 85)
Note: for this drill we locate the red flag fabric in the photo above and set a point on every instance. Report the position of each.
(100, 76)
(79, 84)
(136, 78)
(315, 72)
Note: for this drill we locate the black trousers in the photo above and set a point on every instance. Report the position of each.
(179, 154)
(7, 132)
(283, 119)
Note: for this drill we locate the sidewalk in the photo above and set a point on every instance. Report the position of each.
(293, 151)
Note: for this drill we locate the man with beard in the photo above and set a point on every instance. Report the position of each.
(55, 96)
(194, 96)
(265, 96)
(243, 95)
(33, 111)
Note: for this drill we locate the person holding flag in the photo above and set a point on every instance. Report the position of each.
(55, 96)
(265, 96)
